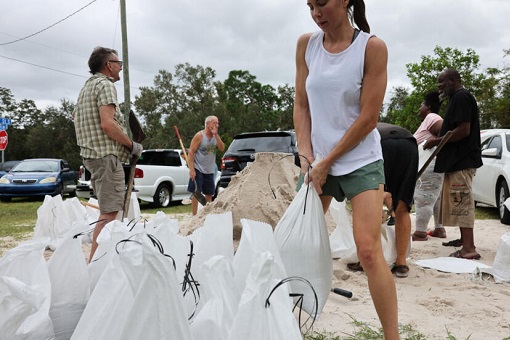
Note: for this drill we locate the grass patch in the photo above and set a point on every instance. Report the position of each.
(364, 331)
(18, 217)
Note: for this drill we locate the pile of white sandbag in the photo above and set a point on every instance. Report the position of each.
(148, 282)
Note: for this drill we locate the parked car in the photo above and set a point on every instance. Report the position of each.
(243, 148)
(38, 177)
(6, 166)
(491, 182)
(161, 177)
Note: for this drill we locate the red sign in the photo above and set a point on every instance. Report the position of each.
(3, 140)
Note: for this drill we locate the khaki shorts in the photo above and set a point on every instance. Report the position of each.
(108, 181)
(368, 177)
(457, 203)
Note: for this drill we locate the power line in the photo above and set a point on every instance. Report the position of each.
(45, 67)
(52, 69)
(44, 29)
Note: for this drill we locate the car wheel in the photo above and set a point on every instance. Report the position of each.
(163, 196)
(60, 190)
(5, 199)
(504, 213)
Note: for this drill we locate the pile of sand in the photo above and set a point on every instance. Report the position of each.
(261, 192)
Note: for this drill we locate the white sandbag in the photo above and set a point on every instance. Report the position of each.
(341, 239)
(256, 237)
(70, 283)
(106, 311)
(303, 241)
(134, 210)
(17, 302)
(342, 245)
(26, 263)
(161, 220)
(111, 234)
(92, 211)
(339, 213)
(54, 220)
(501, 264)
(255, 319)
(182, 253)
(157, 311)
(213, 239)
(215, 319)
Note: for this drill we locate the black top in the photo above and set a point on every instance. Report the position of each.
(465, 153)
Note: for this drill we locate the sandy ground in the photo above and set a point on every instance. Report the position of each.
(432, 302)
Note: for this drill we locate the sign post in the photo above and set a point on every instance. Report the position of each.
(4, 124)
(3, 142)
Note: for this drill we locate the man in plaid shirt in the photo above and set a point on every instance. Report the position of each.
(101, 135)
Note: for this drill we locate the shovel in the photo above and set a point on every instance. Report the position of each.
(138, 136)
(197, 194)
(445, 139)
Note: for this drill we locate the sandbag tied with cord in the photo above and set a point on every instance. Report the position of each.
(303, 242)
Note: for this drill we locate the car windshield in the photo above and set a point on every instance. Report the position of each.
(36, 166)
(261, 144)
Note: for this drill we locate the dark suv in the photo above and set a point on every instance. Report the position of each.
(245, 145)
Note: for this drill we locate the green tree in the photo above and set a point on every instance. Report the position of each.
(183, 99)
(423, 78)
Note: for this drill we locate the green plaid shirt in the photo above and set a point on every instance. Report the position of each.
(98, 90)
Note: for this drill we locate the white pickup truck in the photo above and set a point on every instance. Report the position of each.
(161, 177)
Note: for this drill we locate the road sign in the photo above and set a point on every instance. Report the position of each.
(3, 140)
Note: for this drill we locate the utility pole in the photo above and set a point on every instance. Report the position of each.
(125, 66)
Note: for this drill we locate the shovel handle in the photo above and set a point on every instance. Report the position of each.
(182, 145)
(444, 140)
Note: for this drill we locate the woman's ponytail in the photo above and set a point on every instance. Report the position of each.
(357, 11)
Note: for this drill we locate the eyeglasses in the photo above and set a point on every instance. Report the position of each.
(116, 61)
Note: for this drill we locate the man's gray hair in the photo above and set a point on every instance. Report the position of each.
(208, 119)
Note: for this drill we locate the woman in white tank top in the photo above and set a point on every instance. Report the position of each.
(340, 84)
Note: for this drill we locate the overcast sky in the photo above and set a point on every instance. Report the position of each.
(254, 35)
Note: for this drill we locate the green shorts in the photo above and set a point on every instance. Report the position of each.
(368, 177)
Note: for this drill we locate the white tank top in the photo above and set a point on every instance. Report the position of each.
(333, 87)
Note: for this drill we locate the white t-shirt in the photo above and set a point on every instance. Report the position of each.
(333, 87)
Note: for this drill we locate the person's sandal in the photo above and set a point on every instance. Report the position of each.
(420, 236)
(453, 243)
(355, 267)
(437, 232)
(400, 270)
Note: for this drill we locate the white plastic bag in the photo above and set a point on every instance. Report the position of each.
(106, 311)
(111, 234)
(26, 264)
(17, 302)
(256, 319)
(501, 264)
(70, 283)
(303, 241)
(158, 310)
(215, 319)
(256, 237)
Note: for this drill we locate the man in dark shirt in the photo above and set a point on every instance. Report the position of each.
(458, 160)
